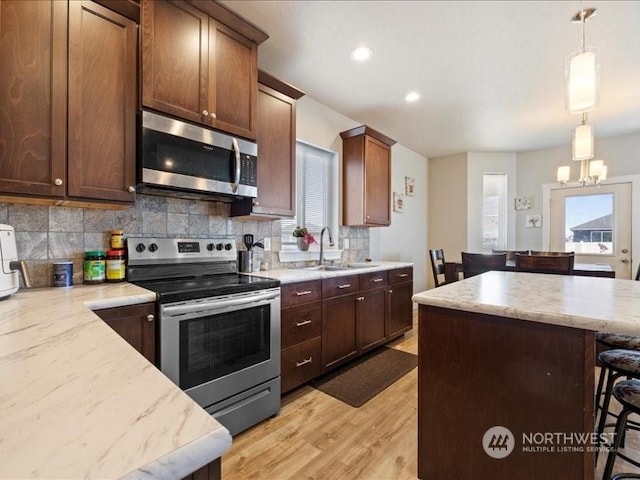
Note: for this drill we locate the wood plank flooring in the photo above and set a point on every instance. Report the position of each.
(316, 436)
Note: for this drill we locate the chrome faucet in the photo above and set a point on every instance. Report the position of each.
(321, 262)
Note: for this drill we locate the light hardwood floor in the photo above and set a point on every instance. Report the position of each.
(316, 436)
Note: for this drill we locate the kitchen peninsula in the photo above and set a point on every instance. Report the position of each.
(513, 350)
(78, 402)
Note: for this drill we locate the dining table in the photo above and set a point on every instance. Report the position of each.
(452, 270)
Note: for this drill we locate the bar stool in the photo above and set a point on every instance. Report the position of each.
(618, 363)
(613, 341)
(627, 393)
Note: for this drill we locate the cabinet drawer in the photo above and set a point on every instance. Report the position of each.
(300, 324)
(400, 275)
(300, 292)
(301, 363)
(374, 279)
(333, 287)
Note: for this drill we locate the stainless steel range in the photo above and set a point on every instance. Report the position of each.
(219, 331)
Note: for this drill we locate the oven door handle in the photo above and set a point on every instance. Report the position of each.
(217, 305)
(236, 149)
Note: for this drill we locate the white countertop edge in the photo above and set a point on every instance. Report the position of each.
(292, 275)
(102, 303)
(185, 460)
(570, 321)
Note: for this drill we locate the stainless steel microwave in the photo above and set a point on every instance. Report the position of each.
(181, 159)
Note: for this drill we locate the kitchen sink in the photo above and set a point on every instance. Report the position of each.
(328, 268)
(337, 268)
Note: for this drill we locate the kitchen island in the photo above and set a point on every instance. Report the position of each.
(78, 401)
(515, 351)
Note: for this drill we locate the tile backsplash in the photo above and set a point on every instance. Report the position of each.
(46, 234)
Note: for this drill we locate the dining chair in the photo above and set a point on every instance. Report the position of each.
(558, 264)
(477, 263)
(551, 254)
(511, 254)
(437, 266)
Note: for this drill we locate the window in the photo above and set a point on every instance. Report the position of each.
(316, 193)
(494, 211)
(589, 224)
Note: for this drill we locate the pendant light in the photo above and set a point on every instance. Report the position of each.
(582, 97)
(582, 71)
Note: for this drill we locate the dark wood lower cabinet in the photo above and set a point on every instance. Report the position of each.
(339, 331)
(211, 471)
(400, 309)
(357, 314)
(372, 319)
(136, 324)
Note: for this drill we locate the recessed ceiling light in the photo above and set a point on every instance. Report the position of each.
(412, 96)
(361, 54)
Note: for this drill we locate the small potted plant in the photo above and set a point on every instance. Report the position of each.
(304, 238)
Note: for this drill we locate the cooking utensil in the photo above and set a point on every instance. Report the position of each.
(248, 241)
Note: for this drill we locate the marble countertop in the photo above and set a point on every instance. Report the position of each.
(78, 402)
(291, 275)
(591, 303)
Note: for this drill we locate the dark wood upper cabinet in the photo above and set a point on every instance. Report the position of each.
(102, 103)
(197, 68)
(175, 59)
(276, 135)
(366, 161)
(68, 98)
(33, 104)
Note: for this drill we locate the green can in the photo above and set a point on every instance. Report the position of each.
(94, 267)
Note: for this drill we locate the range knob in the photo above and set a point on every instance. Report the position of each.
(210, 247)
(153, 247)
(140, 247)
(227, 246)
(219, 246)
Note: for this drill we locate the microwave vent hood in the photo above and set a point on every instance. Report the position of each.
(183, 160)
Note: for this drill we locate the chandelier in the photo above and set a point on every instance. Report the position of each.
(582, 97)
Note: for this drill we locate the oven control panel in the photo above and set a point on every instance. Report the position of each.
(180, 250)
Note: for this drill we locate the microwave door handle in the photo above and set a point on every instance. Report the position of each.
(217, 305)
(236, 181)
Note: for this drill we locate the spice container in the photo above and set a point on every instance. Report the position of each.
(115, 265)
(117, 239)
(94, 267)
(62, 274)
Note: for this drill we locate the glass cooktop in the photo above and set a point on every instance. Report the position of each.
(189, 288)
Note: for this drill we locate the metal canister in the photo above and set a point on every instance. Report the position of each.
(62, 274)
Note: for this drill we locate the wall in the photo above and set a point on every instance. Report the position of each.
(46, 234)
(477, 165)
(447, 206)
(404, 240)
(538, 167)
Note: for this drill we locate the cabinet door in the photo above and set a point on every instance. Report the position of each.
(233, 81)
(136, 324)
(400, 313)
(377, 190)
(276, 131)
(339, 331)
(372, 319)
(175, 59)
(33, 86)
(102, 103)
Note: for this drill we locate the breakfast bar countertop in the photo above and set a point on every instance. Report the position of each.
(591, 303)
(78, 402)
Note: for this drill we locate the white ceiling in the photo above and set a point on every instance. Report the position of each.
(491, 73)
